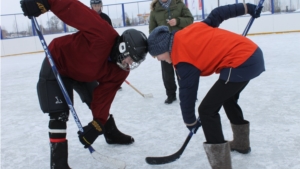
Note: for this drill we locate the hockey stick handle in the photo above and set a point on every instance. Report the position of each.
(260, 4)
(57, 76)
(187, 140)
(134, 88)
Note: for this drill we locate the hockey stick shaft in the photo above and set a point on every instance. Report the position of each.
(175, 156)
(260, 4)
(103, 159)
(56, 74)
(134, 88)
(144, 95)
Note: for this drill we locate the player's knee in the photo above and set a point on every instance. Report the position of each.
(58, 125)
(50, 97)
(59, 116)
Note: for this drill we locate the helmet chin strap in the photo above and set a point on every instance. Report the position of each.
(124, 67)
(123, 54)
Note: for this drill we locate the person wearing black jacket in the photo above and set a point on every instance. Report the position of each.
(97, 6)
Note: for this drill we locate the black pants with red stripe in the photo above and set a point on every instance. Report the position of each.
(219, 95)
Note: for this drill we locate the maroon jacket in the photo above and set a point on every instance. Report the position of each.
(83, 56)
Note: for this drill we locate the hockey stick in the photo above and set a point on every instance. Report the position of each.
(102, 158)
(170, 158)
(144, 95)
(175, 156)
(260, 4)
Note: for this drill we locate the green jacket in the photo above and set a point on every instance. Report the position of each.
(177, 10)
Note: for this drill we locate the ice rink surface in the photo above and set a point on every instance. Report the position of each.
(270, 102)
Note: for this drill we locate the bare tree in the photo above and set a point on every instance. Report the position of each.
(127, 20)
(54, 24)
(15, 29)
(29, 30)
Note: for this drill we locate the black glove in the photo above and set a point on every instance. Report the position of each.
(195, 127)
(34, 7)
(90, 133)
(251, 10)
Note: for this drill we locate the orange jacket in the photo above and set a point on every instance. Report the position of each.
(210, 49)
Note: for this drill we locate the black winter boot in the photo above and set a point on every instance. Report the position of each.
(59, 155)
(113, 135)
(241, 141)
(170, 99)
(218, 155)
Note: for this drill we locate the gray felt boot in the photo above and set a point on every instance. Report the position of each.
(240, 142)
(218, 155)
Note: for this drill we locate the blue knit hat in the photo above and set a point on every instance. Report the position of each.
(158, 40)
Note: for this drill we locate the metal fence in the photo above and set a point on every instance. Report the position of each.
(129, 14)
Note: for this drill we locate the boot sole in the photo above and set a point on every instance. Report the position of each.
(111, 142)
(242, 151)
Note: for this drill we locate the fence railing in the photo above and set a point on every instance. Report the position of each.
(128, 14)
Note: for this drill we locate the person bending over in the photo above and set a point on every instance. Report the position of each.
(202, 49)
(95, 53)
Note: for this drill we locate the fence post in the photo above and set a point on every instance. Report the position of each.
(32, 27)
(1, 33)
(65, 27)
(203, 6)
(272, 6)
(123, 15)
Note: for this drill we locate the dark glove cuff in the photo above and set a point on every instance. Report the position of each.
(46, 4)
(97, 126)
(90, 133)
(250, 8)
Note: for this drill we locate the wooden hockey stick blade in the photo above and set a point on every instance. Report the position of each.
(148, 95)
(144, 95)
(170, 158)
(107, 161)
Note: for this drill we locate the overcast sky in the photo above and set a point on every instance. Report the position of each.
(13, 6)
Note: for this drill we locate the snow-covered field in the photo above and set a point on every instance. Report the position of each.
(270, 102)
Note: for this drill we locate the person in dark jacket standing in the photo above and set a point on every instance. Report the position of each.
(94, 53)
(202, 49)
(97, 6)
(175, 15)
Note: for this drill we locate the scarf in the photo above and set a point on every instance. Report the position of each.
(165, 4)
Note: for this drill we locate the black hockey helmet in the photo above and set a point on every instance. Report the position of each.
(133, 43)
(96, 1)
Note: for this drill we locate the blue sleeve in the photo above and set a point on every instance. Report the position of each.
(188, 79)
(219, 14)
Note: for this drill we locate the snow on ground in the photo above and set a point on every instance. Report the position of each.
(270, 102)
